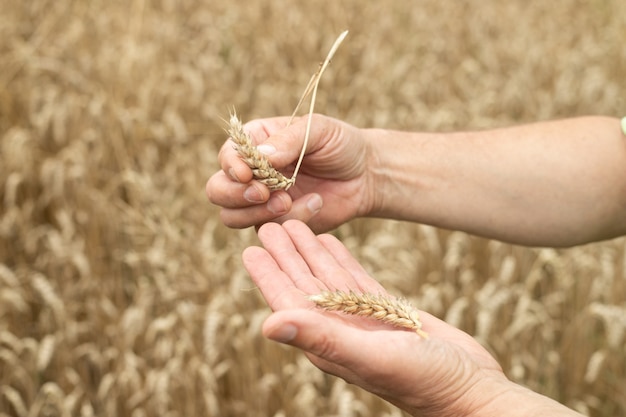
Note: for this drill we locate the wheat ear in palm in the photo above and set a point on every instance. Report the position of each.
(397, 312)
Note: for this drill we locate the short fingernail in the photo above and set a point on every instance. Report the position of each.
(266, 149)
(284, 334)
(253, 195)
(233, 175)
(276, 205)
(314, 204)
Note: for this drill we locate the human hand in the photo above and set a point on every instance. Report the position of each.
(331, 187)
(448, 374)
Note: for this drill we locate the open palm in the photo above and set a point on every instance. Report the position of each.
(421, 376)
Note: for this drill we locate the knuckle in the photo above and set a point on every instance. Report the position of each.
(208, 189)
(230, 221)
(224, 150)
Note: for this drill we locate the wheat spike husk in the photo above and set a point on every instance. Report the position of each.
(397, 312)
(262, 169)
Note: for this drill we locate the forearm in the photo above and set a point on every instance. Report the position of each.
(557, 183)
(512, 400)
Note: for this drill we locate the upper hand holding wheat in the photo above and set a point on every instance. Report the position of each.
(262, 169)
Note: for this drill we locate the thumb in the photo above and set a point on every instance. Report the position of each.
(374, 360)
(329, 339)
(277, 140)
(310, 331)
(284, 146)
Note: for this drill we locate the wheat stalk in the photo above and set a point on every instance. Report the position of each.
(312, 87)
(262, 169)
(397, 312)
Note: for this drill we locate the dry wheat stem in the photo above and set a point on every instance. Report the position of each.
(315, 80)
(397, 312)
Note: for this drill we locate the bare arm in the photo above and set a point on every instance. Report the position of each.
(557, 183)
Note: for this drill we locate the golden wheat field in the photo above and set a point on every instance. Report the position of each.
(122, 294)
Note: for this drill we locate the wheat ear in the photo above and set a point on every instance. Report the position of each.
(397, 312)
(262, 169)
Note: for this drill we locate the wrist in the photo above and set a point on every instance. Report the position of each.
(499, 396)
(374, 174)
(400, 169)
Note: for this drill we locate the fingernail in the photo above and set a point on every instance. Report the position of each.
(276, 205)
(284, 334)
(253, 195)
(266, 149)
(233, 175)
(314, 204)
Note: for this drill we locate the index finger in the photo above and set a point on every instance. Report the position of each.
(259, 131)
(321, 261)
(281, 247)
(232, 164)
(363, 280)
(276, 286)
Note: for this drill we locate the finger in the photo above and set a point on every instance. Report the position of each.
(283, 144)
(343, 256)
(320, 261)
(261, 129)
(223, 191)
(345, 350)
(278, 209)
(278, 203)
(287, 328)
(272, 137)
(304, 208)
(276, 287)
(281, 247)
(232, 164)
(396, 365)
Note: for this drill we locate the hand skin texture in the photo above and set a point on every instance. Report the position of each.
(449, 374)
(530, 184)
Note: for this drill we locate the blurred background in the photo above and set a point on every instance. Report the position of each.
(121, 293)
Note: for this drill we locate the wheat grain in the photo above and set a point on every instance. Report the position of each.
(396, 312)
(262, 169)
